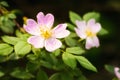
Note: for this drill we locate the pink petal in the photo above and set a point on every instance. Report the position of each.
(94, 27)
(52, 44)
(80, 33)
(92, 42)
(36, 41)
(60, 31)
(117, 73)
(91, 22)
(49, 20)
(40, 18)
(31, 27)
(45, 21)
(81, 25)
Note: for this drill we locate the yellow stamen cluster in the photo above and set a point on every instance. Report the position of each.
(89, 33)
(46, 33)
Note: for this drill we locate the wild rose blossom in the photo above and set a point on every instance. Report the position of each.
(88, 30)
(117, 72)
(42, 33)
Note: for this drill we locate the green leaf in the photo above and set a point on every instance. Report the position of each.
(41, 75)
(36, 51)
(46, 64)
(3, 59)
(21, 74)
(4, 3)
(13, 56)
(7, 25)
(75, 50)
(31, 57)
(61, 76)
(85, 63)
(90, 15)
(57, 52)
(22, 48)
(103, 32)
(55, 76)
(10, 40)
(109, 68)
(69, 60)
(115, 78)
(71, 27)
(18, 33)
(2, 73)
(32, 67)
(74, 16)
(7, 29)
(70, 41)
(5, 49)
(11, 16)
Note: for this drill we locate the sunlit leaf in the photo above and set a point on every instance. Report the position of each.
(91, 15)
(57, 52)
(10, 39)
(69, 60)
(74, 16)
(5, 49)
(85, 63)
(2, 73)
(75, 50)
(22, 48)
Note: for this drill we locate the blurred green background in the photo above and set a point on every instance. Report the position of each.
(108, 52)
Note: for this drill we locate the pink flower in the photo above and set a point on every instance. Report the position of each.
(88, 30)
(117, 72)
(43, 35)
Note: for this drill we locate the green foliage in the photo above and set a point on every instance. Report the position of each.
(22, 48)
(7, 18)
(21, 74)
(115, 79)
(7, 22)
(103, 32)
(41, 75)
(4, 3)
(5, 49)
(71, 26)
(85, 63)
(91, 15)
(10, 40)
(74, 16)
(39, 64)
(109, 68)
(69, 60)
(75, 50)
(2, 73)
(57, 52)
(71, 40)
(61, 76)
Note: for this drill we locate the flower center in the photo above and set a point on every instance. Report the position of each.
(46, 33)
(89, 33)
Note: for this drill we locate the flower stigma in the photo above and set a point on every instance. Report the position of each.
(89, 33)
(45, 32)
